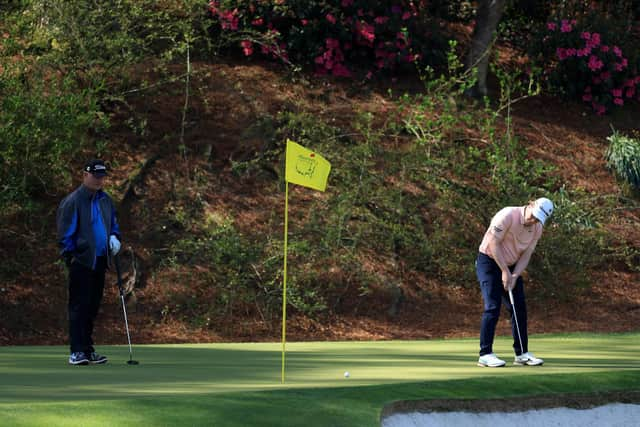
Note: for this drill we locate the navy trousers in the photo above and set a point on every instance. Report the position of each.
(86, 287)
(493, 295)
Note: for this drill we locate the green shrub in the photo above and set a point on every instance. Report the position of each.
(45, 120)
(572, 244)
(593, 59)
(336, 37)
(623, 156)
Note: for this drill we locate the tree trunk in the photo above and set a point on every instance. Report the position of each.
(487, 18)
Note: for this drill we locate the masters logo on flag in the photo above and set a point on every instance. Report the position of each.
(306, 168)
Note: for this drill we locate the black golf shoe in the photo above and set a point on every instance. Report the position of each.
(97, 359)
(78, 358)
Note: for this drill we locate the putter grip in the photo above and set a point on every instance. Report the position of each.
(511, 297)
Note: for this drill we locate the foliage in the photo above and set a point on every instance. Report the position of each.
(44, 122)
(589, 59)
(335, 36)
(452, 10)
(107, 37)
(229, 257)
(623, 156)
(571, 246)
(62, 64)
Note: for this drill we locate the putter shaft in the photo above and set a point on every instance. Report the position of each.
(515, 317)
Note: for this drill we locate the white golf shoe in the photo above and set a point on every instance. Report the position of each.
(528, 359)
(490, 361)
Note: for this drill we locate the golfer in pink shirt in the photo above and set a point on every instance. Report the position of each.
(504, 254)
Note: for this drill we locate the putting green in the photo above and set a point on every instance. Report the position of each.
(239, 384)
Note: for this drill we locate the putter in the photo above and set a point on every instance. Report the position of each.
(124, 310)
(516, 319)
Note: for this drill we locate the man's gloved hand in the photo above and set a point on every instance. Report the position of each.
(114, 245)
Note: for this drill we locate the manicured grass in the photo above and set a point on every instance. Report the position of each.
(239, 384)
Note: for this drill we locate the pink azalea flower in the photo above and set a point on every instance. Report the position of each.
(587, 97)
(406, 16)
(561, 53)
(366, 31)
(618, 101)
(247, 47)
(594, 63)
(571, 52)
(605, 75)
(551, 26)
(585, 35)
(257, 22)
(617, 51)
(616, 93)
(304, 21)
(595, 39)
(565, 26)
(331, 18)
(332, 43)
(347, 3)
(381, 20)
(630, 92)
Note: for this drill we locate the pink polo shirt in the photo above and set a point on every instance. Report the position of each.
(508, 228)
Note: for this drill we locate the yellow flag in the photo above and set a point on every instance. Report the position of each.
(306, 168)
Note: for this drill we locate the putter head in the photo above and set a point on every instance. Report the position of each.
(133, 362)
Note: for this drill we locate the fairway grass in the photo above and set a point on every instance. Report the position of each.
(239, 384)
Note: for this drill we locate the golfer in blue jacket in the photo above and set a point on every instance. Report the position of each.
(88, 235)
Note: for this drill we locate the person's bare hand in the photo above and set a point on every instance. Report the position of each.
(506, 280)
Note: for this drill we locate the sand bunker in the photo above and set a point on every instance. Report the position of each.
(612, 409)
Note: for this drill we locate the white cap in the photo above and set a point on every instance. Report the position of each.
(542, 209)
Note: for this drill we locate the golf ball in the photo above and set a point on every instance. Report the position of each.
(346, 374)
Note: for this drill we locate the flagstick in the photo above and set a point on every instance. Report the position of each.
(284, 282)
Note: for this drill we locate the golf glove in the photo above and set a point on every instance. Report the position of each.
(114, 245)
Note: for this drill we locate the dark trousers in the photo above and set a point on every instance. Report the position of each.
(493, 295)
(86, 287)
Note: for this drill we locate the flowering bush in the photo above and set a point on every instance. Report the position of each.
(336, 37)
(584, 64)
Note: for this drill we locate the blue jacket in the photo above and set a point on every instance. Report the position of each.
(80, 228)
